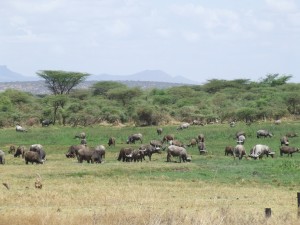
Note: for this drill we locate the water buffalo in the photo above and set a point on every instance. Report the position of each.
(12, 149)
(284, 141)
(33, 157)
(124, 153)
(288, 150)
(20, 151)
(46, 122)
(229, 150)
(91, 156)
(20, 129)
(168, 138)
(258, 151)
(183, 126)
(177, 143)
(81, 135)
(101, 150)
(2, 157)
(239, 133)
(200, 138)
(156, 143)
(202, 148)
(73, 151)
(149, 150)
(136, 155)
(291, 134)
(263, 133)
(177, 151)
(193, 143)
(135, 137)
(39, 149)
(159, 131)
(239, 151)
(112, 141)
(241, 139)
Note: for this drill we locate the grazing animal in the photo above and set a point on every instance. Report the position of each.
(202, 148)
(239, 133)
(39, 149)
(124, 153)
(2, 157)
(183, 126)
(101, 150)
(156, 143)
(258, 151)
(159, 131)
(112, 141)
(197, 122)
(148, 150)
(73, 150)
(229, 150)
(33, 157)
(284, 141)
(20, 151)
(177, 143)
(12, 149)
(168, 138)
(46, 122)
(200, 138)
(20, 129)
(291, 134)
(288, 150)
(135, 137)
(81, 135)
(83, 141)
(91, 156)
(136, 155)
(193, 143)
(177, 151)
(239, 151)
(263, 133)
(241, 139)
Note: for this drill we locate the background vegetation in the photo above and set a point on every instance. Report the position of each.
(269, 99)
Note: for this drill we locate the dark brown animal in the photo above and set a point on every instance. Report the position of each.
(229, 150)
(193, 143)
(177, 151)
(39, 149)
(149, 150)
(124, 153)
(73, 150)
(159, 131)
(135, 137)
(176, 143)
(263, 133)
(33, 157)
(81, 135)
(2, 157)
(288, 150)
(284, 141)
(156, 143)
(12, 149)
(239, 151)
(136, 155)
(202, 148)
(168, 138)
(101, 150)
(20, 151)
(112, 141)
(200, 138)
(89, 155)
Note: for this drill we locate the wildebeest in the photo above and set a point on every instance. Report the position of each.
(239, 151)
(284, 141)
(2, 157)
(288, 150)
(39, 149)
(177, 151)
(112, 141)
(46, 122)
(167, 138)
(183, 126)
(20, 129)
(124, 152)
(258, 151)
(135, 137)
(263, 133)
(159, 131)
(33, 157)
(229, 150)
(20, 151)
(12, 149)
(81, 135)
(291, 134)
(149, 150)
(202, 148)
(241, 139)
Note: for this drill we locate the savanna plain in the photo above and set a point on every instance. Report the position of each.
(211, 189)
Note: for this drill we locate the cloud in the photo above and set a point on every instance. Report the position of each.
(282, 5)
(36, 6)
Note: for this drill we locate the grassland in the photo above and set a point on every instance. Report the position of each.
(212, 189)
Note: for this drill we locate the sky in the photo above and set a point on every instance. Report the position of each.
(198, 39)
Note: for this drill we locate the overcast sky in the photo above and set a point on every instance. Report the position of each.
(197, 39)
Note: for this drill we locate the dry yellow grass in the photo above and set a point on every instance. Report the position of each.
(90, 199)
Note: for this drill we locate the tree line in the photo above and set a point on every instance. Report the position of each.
(270, 98)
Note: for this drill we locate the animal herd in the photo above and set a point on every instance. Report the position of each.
(173, 148)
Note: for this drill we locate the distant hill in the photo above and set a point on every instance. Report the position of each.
(6, 75)
(146, 75)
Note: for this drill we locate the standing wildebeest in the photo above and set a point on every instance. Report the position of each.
(176, 151)
(112, 141)
(239, 151)
(20, 151)
(202, 148)
(183, 126)
(263, 133)
(81, 135)
(159, 131)
(168, 138)
(135, 137)
(39, 149)
(148, 150)
(20, 129)
(124, 152)
(33, 157)
(229, 150)
(258, 151)
(284, 141)
(46, 122)
(241, 139)
(2, 157)
(288, 150)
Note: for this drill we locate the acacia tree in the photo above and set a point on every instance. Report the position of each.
(61, 83)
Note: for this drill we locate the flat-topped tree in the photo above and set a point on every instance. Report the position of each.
(61, 82)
